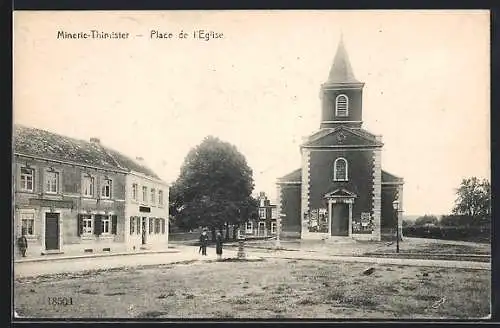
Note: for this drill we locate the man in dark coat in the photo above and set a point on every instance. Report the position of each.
(22, 243)
(218, 245)
(204, 242)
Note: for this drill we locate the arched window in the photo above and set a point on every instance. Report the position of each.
(342, 106)
(340, 169)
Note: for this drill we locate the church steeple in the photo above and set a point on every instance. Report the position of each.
(341, 94)
(341, 71)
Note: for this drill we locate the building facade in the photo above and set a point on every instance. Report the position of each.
(146, 211)
(265, 224)
(340, 190)
(70, 196)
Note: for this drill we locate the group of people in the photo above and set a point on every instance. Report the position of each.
(204, 244)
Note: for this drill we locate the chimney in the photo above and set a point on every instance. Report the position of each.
(95, 140)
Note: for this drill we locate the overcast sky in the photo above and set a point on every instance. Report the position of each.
(426, 73)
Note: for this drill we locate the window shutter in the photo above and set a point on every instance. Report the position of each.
(79, 224)
(98, 225)
(114, 222)
(162, 226)
(132, 225)
(138, 225)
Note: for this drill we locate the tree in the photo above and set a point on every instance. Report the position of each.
(426, 219)
(214, 187)
(473, 199)
(408, 223)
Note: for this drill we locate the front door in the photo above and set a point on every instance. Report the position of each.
(144, 231)
(262, 229)
(340, 219)
(52, 231)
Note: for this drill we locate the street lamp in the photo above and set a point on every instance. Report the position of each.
(395, 205)
(278, 230)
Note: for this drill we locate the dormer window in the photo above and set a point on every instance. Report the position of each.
(342, 106)
(340, 170)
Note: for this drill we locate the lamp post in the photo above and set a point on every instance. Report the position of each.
(278, 230)
(395, 205)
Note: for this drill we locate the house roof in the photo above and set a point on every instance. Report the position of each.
(41, 143)
(295, 176)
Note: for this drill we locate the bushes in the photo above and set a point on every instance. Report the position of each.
(464, 233)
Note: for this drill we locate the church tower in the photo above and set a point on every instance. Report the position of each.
(340, 191)
(341, 95)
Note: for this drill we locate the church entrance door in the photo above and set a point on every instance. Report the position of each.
(340, 219)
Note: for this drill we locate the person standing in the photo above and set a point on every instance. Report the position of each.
(204, 242)
(218, 245)
(22, 243)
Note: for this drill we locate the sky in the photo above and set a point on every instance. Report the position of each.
(426, 74)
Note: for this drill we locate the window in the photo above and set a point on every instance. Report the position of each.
(153, 196)
(249, 227)
(27, 177)
(144, 194)
(163, 226)
(52, 182)
(132, 225)
(151, 227)
(28, 223)
(135, 191)
(340, 169)
(273, 227)
(87, 225)
(106, 224)
(138, 221)
(106, 188)
(342, 106)
(88, 186)
(262, 213)
(157, 226)
(160, 197)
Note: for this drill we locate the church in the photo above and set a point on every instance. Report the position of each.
(340, 191)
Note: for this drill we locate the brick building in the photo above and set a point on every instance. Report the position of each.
(340, 190)
(74, 196)
(265, 224)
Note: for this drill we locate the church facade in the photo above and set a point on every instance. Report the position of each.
(340, 190)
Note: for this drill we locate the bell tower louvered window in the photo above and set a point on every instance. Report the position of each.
(342, 106)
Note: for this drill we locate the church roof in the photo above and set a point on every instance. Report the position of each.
(294, 176)
(341, 70)
(342, 136)
(388, 178)
(41, 143)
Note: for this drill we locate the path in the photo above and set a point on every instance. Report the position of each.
(191, 253)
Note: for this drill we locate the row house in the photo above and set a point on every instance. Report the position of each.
(265, 224)
(73, 196)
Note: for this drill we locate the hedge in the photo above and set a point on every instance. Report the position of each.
(464, 233)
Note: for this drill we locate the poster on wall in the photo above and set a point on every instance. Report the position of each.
(364, 224)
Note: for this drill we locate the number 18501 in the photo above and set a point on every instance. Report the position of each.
(60, 300)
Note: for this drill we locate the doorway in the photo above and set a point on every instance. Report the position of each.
(52, 231)
(262, 229)
(340, 219)
(144, 231)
